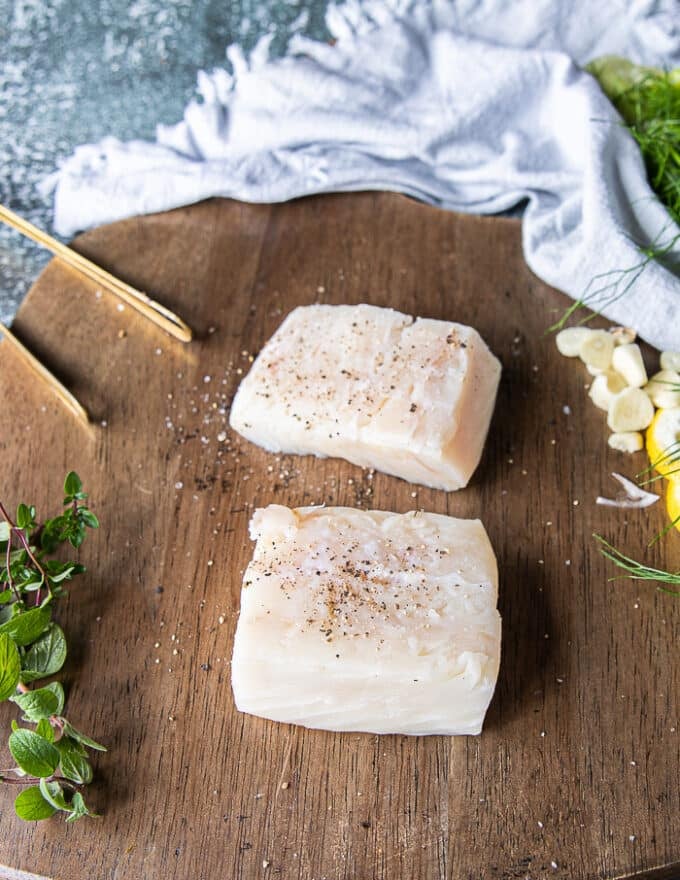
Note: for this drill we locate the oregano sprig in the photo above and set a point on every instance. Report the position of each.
(51, 757)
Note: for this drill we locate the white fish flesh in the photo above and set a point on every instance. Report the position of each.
(368, 621)
(412, 398)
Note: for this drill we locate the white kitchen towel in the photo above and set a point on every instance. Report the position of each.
(472, 105)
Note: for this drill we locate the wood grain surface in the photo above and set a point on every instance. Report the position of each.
(576, 772)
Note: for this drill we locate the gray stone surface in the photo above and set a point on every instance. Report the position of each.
(74, 71)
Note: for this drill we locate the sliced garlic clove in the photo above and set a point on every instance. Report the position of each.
(664, 389)
(627, 360)
(670, 360)
(623, 335)
(597, 349)
(631, 495)
(630, 410)
(626, 441)
(604, 387)
(594, 371)
(569, 341)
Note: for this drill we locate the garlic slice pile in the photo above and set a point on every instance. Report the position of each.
(620, 385)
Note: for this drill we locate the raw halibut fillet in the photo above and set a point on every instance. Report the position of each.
(368, 620)
(412, 398)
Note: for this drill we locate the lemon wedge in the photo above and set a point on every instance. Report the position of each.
(673, 502)
(663, 443)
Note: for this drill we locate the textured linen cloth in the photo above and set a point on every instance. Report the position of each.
(471, 106)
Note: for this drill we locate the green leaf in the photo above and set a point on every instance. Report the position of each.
(45, 730)
(6, 595)
(89, 518)
(32, 806)
(24, 518)
(63, 575)
(77, 535)
(46, 656)
(79, 808)
(74, 765)
(69, 730)
(37, 704)
(54, 795)
(10, 666)
(72, 484)
(4, 531)
(26, 626)
(58, 692)
(33, 753)
(32, 582)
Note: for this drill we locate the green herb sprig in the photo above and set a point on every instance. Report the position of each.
(51, 755)
(669, 460)
(638, 571)
(648, 100)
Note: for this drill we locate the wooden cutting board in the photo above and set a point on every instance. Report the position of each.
(576, 772)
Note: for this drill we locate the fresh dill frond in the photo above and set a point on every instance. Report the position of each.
(662, 534)
(651, 111)
(608, 287)
(648, 100)
(669, 456)
(637, 570)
